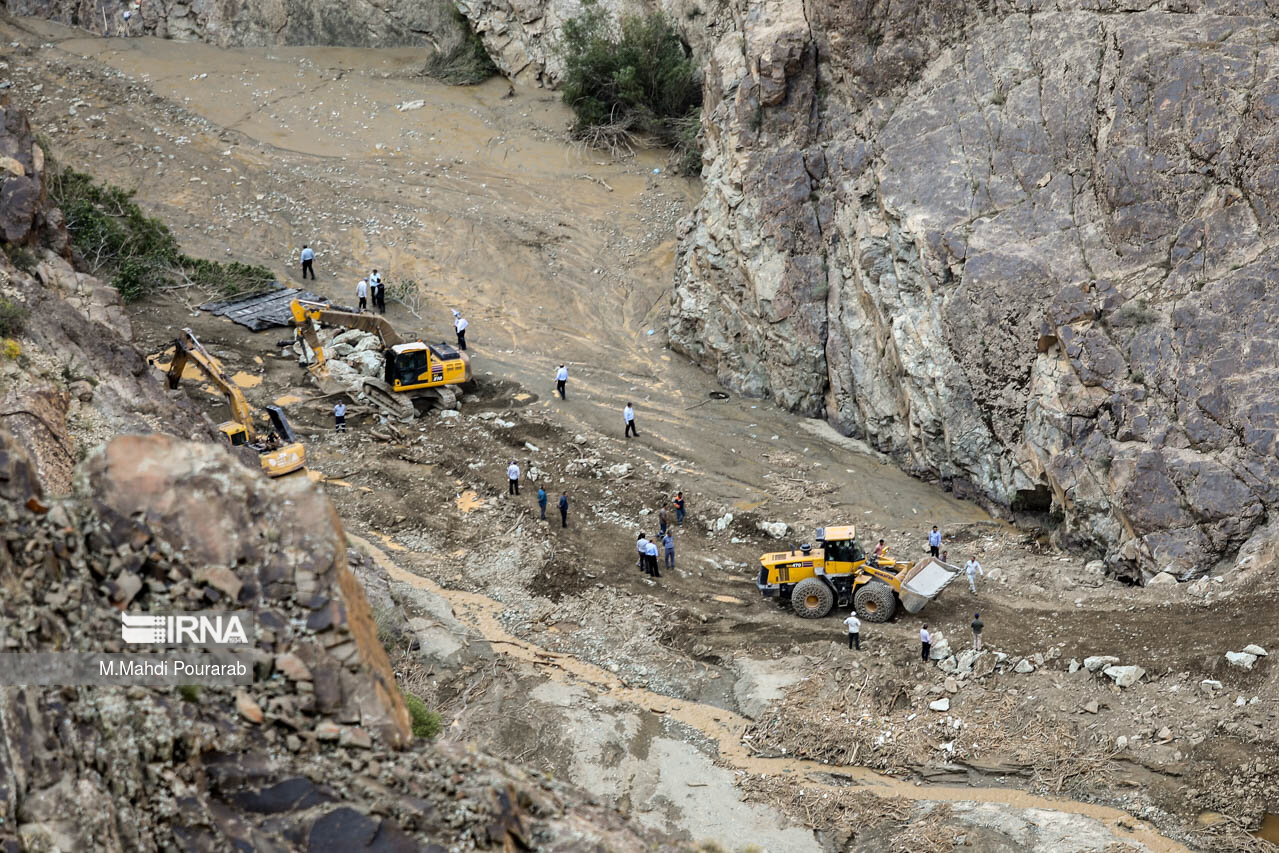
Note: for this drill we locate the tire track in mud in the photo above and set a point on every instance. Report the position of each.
(726, 727)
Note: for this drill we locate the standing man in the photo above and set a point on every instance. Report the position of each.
(973, 568)
(628, 415)
(308, 259)
(652, 560)
(379, 292)
(926, 643)
(668, 545)
(641, 550)
(541, 500)
(512, 478)
(362, 293)
(934, 542)
(854, 631)
(679, 507)
(563, 509)
(339, 417)
(662, 520)
(977, 625)
(459, 326)
(561, 381)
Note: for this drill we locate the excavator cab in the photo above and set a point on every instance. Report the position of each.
(235, 433)
(416, 365)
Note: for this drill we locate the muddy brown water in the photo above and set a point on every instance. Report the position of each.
(725, 728)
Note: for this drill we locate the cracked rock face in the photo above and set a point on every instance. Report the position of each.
(1024, 251)
(229, 23)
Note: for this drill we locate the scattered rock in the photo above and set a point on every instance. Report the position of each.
(327, 730)
(292, 667)
(941, 705)
(775, 529)
(354, 737)
(248, 709)
(951, 685)
(1253, 649)
(1125, 676)
(1162, 579)
(1096, 662)
(1210, 686)
(1024, 666)
(1092, 707)
(1244, 660)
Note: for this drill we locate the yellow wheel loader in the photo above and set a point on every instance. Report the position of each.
(279, 452)
(837, 573)
(413, 368)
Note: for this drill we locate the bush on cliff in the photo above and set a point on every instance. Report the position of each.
(636, 80)
(137, 253)
(426, 723)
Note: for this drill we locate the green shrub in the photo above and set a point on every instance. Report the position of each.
(137, 253)
(426, 723)
(189, 692)
(21, 258)
(13, 318)
(465, 65)
(638, 80)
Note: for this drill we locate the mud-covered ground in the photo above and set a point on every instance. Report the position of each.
(682, 701)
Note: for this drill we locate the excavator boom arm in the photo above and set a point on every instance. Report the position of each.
(188, 348)
(304, 312)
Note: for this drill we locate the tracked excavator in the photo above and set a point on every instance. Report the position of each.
(838, 573)
(278, 451)
(414, 370)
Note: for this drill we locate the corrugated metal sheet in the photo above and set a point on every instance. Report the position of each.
(262, 310)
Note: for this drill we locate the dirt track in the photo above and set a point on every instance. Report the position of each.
(555, 256)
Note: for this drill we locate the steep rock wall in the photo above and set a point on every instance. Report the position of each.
(234, 23)
(1025, 248)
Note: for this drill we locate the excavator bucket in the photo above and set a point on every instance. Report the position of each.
(925, 581)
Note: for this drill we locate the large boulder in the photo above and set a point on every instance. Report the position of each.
(989, 249)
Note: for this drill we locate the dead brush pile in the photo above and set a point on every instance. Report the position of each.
(874, 720)
(839, 813)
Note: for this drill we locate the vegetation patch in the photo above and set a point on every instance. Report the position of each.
(635, 80)
(427, 724)
(137, 253)
(13, 318)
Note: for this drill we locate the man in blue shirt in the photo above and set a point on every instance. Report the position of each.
(668, 544)
(308, 258)
(541, 501)
(934, 542)
(564, 509)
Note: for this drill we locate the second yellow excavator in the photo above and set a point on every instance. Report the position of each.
(412, 367)
(279, 452)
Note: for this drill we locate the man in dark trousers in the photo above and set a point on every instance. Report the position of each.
(541, 501)
(628, 415)
(926, 643)
(339, 417)
(308, 259)
(512, 478)
(934, 542)
(564, 509)
(977, 627)
(679, 507)
(459, 326)
(379, 292)
(854, 631)
(561, 381)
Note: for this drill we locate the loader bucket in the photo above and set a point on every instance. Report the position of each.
(925, 581)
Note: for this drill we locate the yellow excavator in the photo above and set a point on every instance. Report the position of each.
(279, 452)
(412, 367)
(838, 573)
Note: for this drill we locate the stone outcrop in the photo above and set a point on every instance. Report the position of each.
(521, 35)
(1027, 249)
(230, 23)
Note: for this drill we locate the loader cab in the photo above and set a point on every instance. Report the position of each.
(839, 545)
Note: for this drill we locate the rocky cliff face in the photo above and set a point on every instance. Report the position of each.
(1025, 248)
(230, 23)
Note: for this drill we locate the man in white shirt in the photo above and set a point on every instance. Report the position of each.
(308, 259)
(854, 631)
(926, 642)
(513, 478)
(378, 292)
(362, 293)
(459, 326)
(339, 417)
(561, 380)
(641, 549)
(628, 415)
(973, 569)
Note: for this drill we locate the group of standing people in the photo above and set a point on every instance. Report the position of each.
(513, 488)
(647, 549)
(371, 287)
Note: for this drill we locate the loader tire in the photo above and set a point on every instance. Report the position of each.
(875, 602)
(812, 599)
